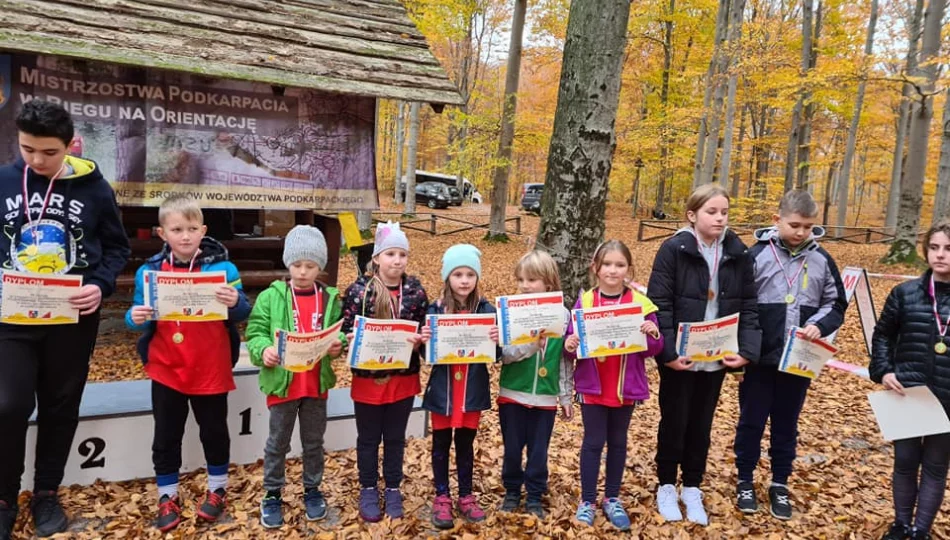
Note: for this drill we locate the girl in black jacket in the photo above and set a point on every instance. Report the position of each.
(702, 273)
(910, 349)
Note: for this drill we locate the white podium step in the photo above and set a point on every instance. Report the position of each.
(114, 439)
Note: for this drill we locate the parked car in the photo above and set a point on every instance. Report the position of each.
(531, 197)
(455, 196)
(433, 195)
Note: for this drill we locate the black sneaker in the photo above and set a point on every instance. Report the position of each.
(781, 506)
(745, 498)
(7, 520)
(315, 503)
(169, 513)
(897, 531)
(535, 508)
(916, 534)
(214, 505)
(48, 515)
(512, 501)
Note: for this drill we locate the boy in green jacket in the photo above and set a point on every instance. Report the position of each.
(299, 305)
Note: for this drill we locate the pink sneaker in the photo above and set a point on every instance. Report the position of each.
(442, 512)
(470, 510)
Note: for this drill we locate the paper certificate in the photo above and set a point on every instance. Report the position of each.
(708, 341)
(301, 352)
(460, 339)
(917, 413)
(180, 296)
(522, 316)
(381, 343)
(37, 299)
(609, 331)
(803, 356)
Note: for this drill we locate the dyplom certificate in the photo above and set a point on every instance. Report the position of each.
(460, 339)
(804, 357)
(522, 317)
(300, 352)
(36, 299)
(609, 330)
(708, 341)
(381, 343)
(185, 296)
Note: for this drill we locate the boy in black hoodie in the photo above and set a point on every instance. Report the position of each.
(72, 226)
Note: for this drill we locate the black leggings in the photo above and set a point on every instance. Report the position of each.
(926, 458)
(464, 459)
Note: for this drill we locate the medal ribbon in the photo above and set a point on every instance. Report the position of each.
(313, 326)
(941, 326)
(791, 281)
(191, 266)
(26, 199)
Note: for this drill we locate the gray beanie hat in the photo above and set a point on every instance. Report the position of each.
(305, 243)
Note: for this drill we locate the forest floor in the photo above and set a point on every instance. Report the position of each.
(841, 485)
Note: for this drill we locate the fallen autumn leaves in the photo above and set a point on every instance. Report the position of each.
(841, 487)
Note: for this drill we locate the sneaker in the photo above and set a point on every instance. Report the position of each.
(512, 501)
(693, 499)
(745, 498)
(393, 503)
(585, 513)
(667, 503)
(169, 513)
(48, 515)
(213, 506)
(315, 504)
(468, 507)
(616, 514)
(369, 505)
(442, 512)
(780, 505)
(272, 510)
(7, 520)
(897, 531)
(917, 534)
(535, 508)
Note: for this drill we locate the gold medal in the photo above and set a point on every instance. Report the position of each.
(711, 295)
(543, 372)
(789, 298)
(602, 359)
(940, 347)
(382, 380)
(178, 337)
(458, 375)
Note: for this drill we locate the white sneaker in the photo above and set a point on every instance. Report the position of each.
(693, 499)
(668, 503)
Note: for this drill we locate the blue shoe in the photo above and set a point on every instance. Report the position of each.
(272, 511)
(585, 513)
(616, 514)
(315, 503)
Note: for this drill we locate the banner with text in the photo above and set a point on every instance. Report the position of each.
(231, 144)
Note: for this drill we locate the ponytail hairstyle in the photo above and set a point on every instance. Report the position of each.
(382, 306)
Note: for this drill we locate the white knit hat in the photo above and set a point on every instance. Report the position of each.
(388, 236)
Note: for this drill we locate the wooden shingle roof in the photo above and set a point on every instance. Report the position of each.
(364, 47)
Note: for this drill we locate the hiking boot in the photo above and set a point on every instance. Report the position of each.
(315, 504)
(213, 506)
(917, 534)
(535, 508)
(512, 501)
(667, 503)
(7, 520)
(616, 514)
(48, 515)
(442, 512)
(585, 513)
(897, 531)
(393, 503)
(272, 510)
(745, 498)
(169, 513)
(468, 507)
(369, 505)
(692, 498)
(780, 503)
